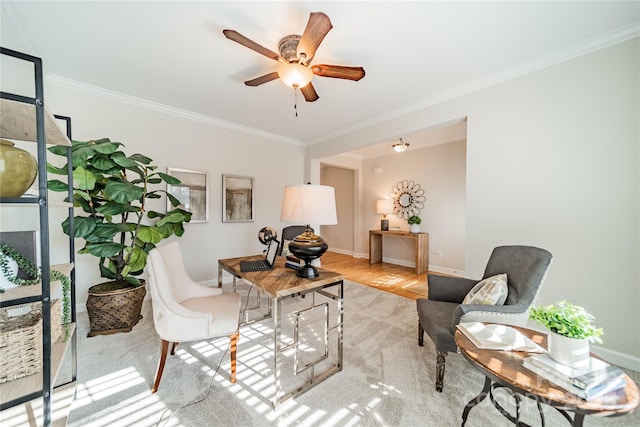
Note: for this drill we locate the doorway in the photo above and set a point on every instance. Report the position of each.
(340, 237)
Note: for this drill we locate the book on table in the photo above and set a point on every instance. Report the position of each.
(293, 262)
(597, 373)
(498, 337)
(558, 379)
(598, 376)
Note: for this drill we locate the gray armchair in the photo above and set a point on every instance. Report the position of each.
(439, 315)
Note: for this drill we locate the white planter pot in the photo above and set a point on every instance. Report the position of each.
(414, 228)
(568, 351)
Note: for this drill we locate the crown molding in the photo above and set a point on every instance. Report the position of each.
(165, 109)
(558, 57)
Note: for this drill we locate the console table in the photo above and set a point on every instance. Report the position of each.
(504, 369)
(421, 243)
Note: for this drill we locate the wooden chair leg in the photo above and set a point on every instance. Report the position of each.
(233, 345)
(173, 348)
(163, 358)
(440, 360)
(420, 335)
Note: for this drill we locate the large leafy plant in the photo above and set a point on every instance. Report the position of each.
(113, 190)
(567, 319)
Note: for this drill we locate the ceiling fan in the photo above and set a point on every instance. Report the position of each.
(296, 54)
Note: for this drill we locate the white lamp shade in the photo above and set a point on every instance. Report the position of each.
(384, 206)
(295, 75)
(309, 204)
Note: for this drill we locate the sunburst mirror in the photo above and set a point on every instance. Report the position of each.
(408, 199)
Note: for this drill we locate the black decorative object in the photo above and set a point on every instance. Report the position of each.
(384, 207)
(267, 234)
(308, 246)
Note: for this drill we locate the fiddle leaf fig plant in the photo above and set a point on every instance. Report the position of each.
(567, 319)
(113, 189)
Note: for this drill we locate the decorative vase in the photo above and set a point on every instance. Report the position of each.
(18, 170)
(568, 351)
(414, 228)
(114, 307)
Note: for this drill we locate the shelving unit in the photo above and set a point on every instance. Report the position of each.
(26, 119)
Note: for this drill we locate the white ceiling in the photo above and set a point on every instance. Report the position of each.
(415, 53)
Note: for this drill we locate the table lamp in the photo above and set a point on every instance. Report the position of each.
(384, 207)
(308, 204)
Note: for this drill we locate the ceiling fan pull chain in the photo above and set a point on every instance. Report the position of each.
(295, 101)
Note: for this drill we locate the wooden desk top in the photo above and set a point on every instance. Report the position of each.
(506, 367)
(280, 281)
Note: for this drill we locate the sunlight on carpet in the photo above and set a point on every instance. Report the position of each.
(130, 411)
(20, 416)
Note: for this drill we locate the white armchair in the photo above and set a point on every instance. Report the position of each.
(184, 310)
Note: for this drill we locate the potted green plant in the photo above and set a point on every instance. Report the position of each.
(118, 228)
(570, 329)
(414, 223)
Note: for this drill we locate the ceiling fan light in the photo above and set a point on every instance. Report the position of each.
(401, 146)
(295, 75)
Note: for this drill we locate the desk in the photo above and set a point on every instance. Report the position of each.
(281, 282)
(421, 243)
(504, 369)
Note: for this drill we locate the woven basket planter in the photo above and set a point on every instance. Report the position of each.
(21, 340)
(114, 307)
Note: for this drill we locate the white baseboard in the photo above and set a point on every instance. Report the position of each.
(349, 253)
(617, 358)
(81, 307)
(446, 270)
(402, 262)
(341, 251)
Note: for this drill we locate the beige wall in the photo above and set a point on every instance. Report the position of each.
(181, 141)
(553, 161)
(440, 171)
(552, 158)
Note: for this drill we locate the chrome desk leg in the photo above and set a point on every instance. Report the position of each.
(340, 322)
(276, 351)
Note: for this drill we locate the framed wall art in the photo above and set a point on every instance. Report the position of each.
(193, 193)
(237, 198)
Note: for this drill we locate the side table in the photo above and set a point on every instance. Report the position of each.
(504, 369)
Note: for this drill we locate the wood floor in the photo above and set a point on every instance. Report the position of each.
(392, 278)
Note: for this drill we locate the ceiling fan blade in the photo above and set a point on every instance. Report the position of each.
(262, 79)
(309, 93)
(338, 71)
(239, 38)
(317, 27)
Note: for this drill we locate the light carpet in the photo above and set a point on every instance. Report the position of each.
(387, 379)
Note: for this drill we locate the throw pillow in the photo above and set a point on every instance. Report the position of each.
(492, 291)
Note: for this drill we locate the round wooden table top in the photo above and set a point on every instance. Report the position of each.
(506, 367)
